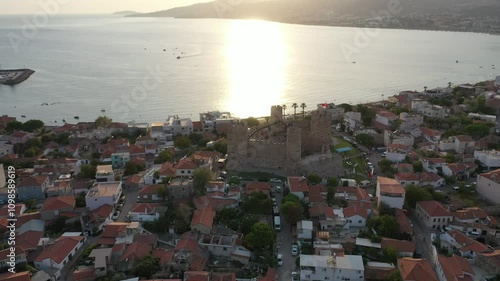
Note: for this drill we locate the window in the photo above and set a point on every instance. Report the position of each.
(359, 221)
(434, 220)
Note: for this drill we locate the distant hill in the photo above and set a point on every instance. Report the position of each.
(301, 10)
(125, 13)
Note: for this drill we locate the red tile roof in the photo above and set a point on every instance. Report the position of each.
(145, 208)
(29, 240)
(474, 213)
(321, 210)
(112, 230)
(134, 179)
(19, 276)
(407, 177)
(298, 184)
(187, 244)
(135, 251)
(24, 218)
(464, 138)
(197, 125)
(150, 189)
(493, 256)
(33, 181)
(102, 212)
(429, 177)
(391, 186)
(167, 169)
(461, 238)
(474, 246)
(61, 249)
(257, 186)
(4, 211)
(405, 225)
(434, 209)
(430, 132)
(223, 277)
(454, 267)
(416, 270)
(167, 257)
(492, 175)
(204, 217)
(84, 274)
(387, 114)
(58, 203)
(186, 164)
(354, 210)
(196, 276)
(402, 246)
(4, 253)
(315, 193)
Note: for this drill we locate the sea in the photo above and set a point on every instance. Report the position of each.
(146, 69)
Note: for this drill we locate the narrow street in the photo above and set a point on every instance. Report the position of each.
(422, 238)
(67, 271)
(131, 199)
(284, 243)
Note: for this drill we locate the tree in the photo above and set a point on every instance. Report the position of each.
(303, 106)
(182, 142)
(103, 122)
(221, 147)
(477, 130)
(333, 182)
(13, 126)
(385, 165)
(294, 105)
(292, 211)
(367, 114)
(347, 107)
(164, 156)
(247, 222)
(387, 226)
(258, 203)
(162, 192)
(260, 237)
(366, 140)
(87, 171)
(284, 109)
(32, 125)
(290, 198)
(418, 167)
(252, 122)
(195, 138)
(132, 168)
(415, 194)
(395, 275)
(147, 266)
(201, 177)
(390, 255)
(330, 195)
(314, 179)
(229, 217)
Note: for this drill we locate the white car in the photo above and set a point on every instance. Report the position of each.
(279, 258)
(456, 188)
(295, 276)
(278, 188)
(115, 215)
(295, 250)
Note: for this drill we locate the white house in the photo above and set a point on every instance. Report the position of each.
(385, 117)
(57, 255)
(454, 268)
(407, 178)
(348, 267)
(103, 193)
(352, 120)
(6, 148)
(488, 185)
(304, 230)
(433, 165)
(144, 212)
(410, 121)
(355, 216)
(433, 214)
(390, 192)
(104, 173)
(6, 258)
(185, 167)
(489, 159)
(397, 137)
(175, 126)
(397, 152)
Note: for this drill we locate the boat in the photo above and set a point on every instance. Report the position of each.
(179, 57)
(77, 117)
(64, 120)
(23, 116)
(457, 61)
(164, 50)
(103, 110)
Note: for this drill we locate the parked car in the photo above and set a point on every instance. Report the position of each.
(279, 259)
(456, 188)
(274, 202)
(295, 250)
(115, 215)
(278, 188)
(295, 276)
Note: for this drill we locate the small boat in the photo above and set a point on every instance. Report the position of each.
(353, 62)
(179, 57)
(77, 117)
(480, 67)
(23, 116)
(64, 120)
(55, 121)
(164, 50)
(103, 110)
(457, 61)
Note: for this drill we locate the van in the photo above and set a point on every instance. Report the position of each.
(278, 188)
(277, 223)
(474, 234)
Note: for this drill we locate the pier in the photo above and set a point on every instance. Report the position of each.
(14, 76)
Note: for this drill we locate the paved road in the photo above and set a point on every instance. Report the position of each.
(67, 271)
(284, 243)
(131, 199)
(422, 238)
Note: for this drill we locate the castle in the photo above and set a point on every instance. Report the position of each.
(281, 143)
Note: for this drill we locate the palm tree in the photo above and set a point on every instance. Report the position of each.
(294, 105)
(425, 89)
(284, 110)
(303, 106)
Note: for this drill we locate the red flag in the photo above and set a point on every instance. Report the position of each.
(371, 173)
(324, 105)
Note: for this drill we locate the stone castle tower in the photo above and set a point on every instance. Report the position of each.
(237, 146)
(276, 114)
(321, 128)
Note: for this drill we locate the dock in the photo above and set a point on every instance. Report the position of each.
(14, 76)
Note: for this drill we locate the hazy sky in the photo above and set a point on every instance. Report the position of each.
(91, 6)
